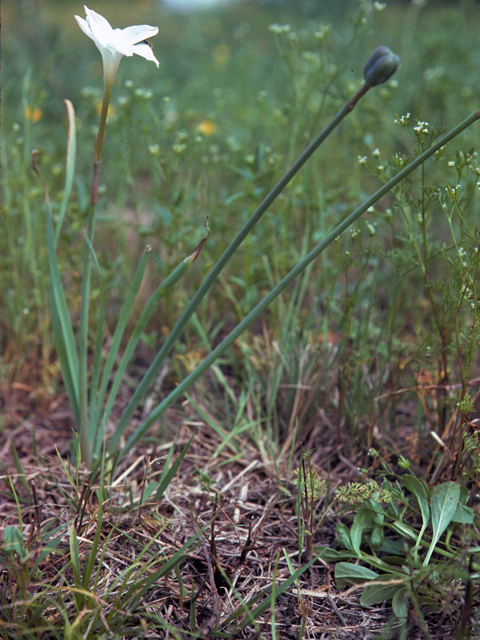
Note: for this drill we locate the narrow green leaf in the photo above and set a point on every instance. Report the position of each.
(70, 168)
(75, 557)
(445, 498)
(145, 316)
(116, 341)
(61, 323)
(422, 494)
(69, 374)
(274, 293)
(332, 555)
(168, 473)
(260, 610)
(18, 466)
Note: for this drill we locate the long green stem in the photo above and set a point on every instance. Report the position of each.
(85, 445)
(248, 320)
(214, 273)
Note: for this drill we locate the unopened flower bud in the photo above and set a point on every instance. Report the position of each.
(381, 66)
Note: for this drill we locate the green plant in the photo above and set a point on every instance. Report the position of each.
(397, 535)
(88, 407)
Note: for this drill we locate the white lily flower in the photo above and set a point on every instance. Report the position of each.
(115, 43)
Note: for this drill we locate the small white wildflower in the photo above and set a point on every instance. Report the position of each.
(179, 148)
(311, 56)
(154, 149)
(376, 153)
(89, 92)
(261, 96)
(322, 33)
(402, 120)
(363, 160)
(379, 6)
(181, 135)
(279, 28)
(128, 84)
(451, 163)
(232, 143)
(144, 94)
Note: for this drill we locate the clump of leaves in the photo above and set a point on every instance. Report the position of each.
(408, 544)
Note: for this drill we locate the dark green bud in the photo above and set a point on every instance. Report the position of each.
(381, 66)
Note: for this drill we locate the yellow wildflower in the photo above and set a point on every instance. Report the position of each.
(33, 115)
(221, 54)
(206, 127)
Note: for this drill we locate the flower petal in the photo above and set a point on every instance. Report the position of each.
(115, 43)
(139, 32)
(146, 52)
(84, 26)
(96, 21)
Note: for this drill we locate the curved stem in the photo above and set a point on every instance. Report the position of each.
(248, 320)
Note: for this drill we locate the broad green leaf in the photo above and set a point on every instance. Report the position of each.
(463, 514)
(400, 603)
(393, 547)
(361, 522)
(445, 498)
(13, 542)
(347, 573)
(344, 536)
(375, 593)
(377, 537)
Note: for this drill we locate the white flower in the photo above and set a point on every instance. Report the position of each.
(115, 43)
